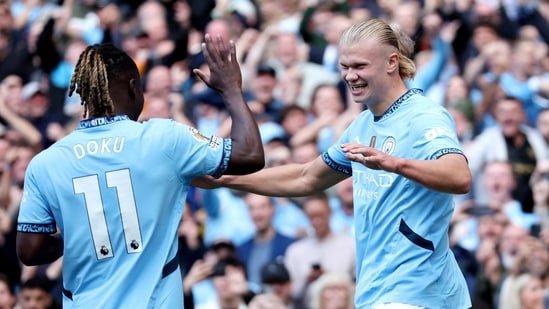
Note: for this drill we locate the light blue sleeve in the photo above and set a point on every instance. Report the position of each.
(335, 158)
(436, 134)
(195, 154)
(35, 216)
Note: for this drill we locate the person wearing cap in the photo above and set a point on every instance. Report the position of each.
(276, 280)
(36, 110)
(262, 100)
(261, 93)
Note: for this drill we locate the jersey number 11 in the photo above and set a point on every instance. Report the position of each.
(120, 180)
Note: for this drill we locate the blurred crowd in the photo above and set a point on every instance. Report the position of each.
(486, 61)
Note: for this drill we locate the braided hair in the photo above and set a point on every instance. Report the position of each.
(97, 66)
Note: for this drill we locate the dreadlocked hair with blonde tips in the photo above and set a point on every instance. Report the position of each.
(97, 66)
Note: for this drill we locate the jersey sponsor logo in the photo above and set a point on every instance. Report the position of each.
(388, 145)
(438, 131)
(367, 184)
(379, 180)
(101, 146)
(366, 194)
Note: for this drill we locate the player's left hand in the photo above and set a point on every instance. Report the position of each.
(370, 157)
(209, 182)
(206, 182)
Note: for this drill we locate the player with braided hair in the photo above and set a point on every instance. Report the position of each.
(91, 74)
(116, 187)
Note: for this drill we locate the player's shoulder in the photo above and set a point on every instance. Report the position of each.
(426, 107)
(43, 160)
(155, 125)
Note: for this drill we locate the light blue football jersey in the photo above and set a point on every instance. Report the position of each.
(116, 190)
(401, 227)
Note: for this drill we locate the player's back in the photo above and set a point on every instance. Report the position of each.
(117, 191)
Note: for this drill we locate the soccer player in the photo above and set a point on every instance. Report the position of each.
(116, 187)
(406, 164)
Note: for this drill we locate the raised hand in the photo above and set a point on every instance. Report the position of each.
(199, 271)
(223, 65)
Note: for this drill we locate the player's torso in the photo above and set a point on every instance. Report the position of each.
(117, 200)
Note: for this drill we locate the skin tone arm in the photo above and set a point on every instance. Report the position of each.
(283, 181)
(29, 133)
(225, 77)
(449, 173)
(36, 249)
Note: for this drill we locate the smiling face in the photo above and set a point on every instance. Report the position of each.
(369, 70)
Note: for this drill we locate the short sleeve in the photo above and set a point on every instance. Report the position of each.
(335, 158)
(437, 135)
(196, 154)
(35, 215)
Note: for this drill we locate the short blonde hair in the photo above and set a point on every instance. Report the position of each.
(389, 35)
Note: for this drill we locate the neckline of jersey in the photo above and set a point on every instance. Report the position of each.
(398, 102)
(100, 121)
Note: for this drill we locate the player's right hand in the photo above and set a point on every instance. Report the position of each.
(224, 69)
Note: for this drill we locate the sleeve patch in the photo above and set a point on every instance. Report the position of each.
(215, 142)
(226, 157)
(336, 166)
(49, 228)
(446, 151)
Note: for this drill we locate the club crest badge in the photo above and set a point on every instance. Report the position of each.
(388, 145)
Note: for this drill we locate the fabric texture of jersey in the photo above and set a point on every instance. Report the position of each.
(401, 226)
(116, 189)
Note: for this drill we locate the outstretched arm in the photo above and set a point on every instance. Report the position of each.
(449, 173)
(289, 180)
(225, 77)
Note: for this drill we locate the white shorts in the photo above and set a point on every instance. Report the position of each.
(396, 306)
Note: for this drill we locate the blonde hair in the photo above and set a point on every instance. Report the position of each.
(332, 279)
(511, 290)
(385, 34)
